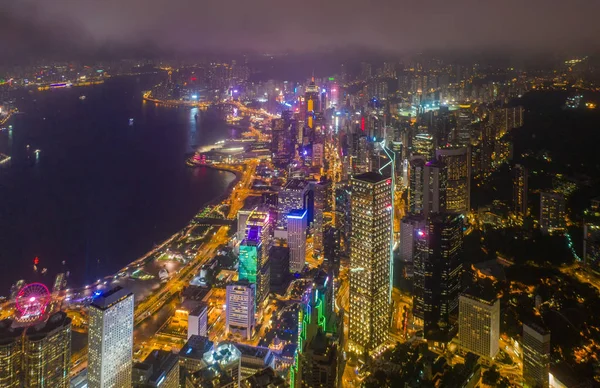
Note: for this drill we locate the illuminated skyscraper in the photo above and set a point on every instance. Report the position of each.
(312, 101)
(322, 200)
(36, 356)
(408, 226)
(479, 325)
(160, 369)
(47, 353)
(295, 195)
(110, 339)
(428, 183)
(457, 162)
(437, 271)
(520, 189)
(254, 254)
(297, 220)
(370, 261)
(240, 317)
(536, 356)
(552, 212)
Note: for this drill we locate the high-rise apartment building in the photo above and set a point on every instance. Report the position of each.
(322, 201)
(370, 261)
(240, 309)
(520, 189)
(457, 162)
(536, 356)
(437, 271)
(552, 212)
(297, 220)
(110, 339)
(479, 325)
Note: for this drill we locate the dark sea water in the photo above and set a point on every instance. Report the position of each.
(101, 192)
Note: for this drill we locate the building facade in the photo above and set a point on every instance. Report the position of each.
(110, 339)
(370, 261)
(479, 325)
(240, 314)
(536, 356)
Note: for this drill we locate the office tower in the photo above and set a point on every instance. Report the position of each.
(416, 188)
(281, 142)
(457, 162)
(293, 196)
(319, 362)
(591, 236)
(423, 145)
(321, 204)
(332, 249)
(242, 219)
(479, 325)
(520, 189)
(254, 254)
(198, 320)
(192, 353)
(536, 356)
(240, 314)
(110, 339)
(437, 271)
(408, 226)
(435, 183)
(279, 257)
(297, 220)
(317, 154)
(462, 133)
(370, 261)
(254, 359)
(312, 101)
(552, 212)
(427, 189)
(159, 369)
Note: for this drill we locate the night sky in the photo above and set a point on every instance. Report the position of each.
(28, 26)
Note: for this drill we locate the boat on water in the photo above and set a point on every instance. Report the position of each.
(82, 97)
(130, 122)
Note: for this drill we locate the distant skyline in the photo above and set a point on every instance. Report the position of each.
(31, 28)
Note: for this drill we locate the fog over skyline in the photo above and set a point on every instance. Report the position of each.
(28, 27)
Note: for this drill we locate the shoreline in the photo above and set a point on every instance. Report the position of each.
(213, 202)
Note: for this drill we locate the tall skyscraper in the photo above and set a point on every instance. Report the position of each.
(437, 271)
(536, 356)
(520, 189)
(240, 314)
(479, 325)
(552, 212)
(428, 182)
(457, 162)
(321, 204)
(408, 226)
(294, 195)
(35, 356)
(297, 220)
(370, 261)
(47, 353)
(254, 254)
(110, 339)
